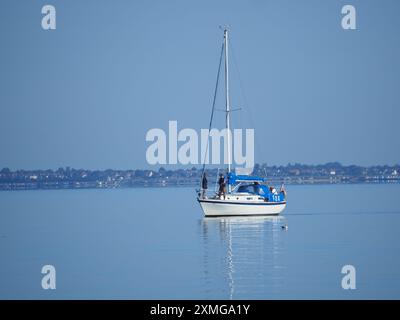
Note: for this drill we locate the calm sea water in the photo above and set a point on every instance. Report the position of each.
(155, 244)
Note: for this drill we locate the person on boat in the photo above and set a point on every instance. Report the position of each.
(204, 186)
(272, 190)
(256, 188)
(222, 186)
(282, 190)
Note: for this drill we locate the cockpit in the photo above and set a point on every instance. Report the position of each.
(253, 188)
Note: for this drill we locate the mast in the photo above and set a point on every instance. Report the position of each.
(227, 98)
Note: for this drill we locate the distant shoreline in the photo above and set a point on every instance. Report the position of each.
(291, 174)
(194, 186)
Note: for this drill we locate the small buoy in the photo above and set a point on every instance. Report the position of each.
(285, 227)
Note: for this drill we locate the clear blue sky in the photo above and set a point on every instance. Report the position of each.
(85, 94)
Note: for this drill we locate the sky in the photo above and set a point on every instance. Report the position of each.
(85, 95)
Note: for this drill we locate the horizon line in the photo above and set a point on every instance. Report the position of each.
(199, 167)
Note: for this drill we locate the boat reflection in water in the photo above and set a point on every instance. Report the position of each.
(243, 257)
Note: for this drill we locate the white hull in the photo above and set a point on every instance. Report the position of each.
(217, 208)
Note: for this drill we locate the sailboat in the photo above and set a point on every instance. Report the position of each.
(239, 194)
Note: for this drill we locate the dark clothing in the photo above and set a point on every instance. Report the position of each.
(221, 181)
(204, 183)
(222, 186)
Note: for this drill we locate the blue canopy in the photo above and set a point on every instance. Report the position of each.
(233, 178)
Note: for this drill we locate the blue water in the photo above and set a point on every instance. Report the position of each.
(154, 244)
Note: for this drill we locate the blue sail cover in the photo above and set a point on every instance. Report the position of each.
(233, 178)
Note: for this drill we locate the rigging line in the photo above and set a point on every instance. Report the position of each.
(246, 105)
(212, 111)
